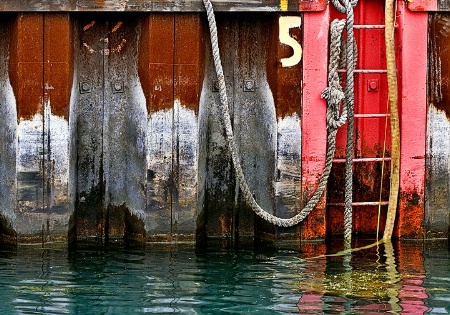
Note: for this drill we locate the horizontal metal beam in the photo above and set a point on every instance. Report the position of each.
(159, 5)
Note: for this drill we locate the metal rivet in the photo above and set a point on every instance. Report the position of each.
(118, 87)
(249, 85)
(85, 87)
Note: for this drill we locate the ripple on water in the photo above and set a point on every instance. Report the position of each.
(410, 279)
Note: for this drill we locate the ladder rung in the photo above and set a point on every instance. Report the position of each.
(370, 26)
(372, 115)
(377, 159)
(365, 71)
(359, 204)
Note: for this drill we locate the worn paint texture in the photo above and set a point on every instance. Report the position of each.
(41, 88)
(172, 85)
(438, 128)
(161, 5)
(8, 141)
(429, 5)
(413, 113)
(286, 85)
(110, 132)
(266, 130)
(118, 126)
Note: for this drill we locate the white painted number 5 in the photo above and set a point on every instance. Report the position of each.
(285, 24)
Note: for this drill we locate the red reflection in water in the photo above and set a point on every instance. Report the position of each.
(398, 286)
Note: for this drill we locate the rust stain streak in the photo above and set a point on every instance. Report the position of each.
(88, 26)
(117, 26)
(26, 68)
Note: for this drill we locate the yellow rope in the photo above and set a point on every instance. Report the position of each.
(382, 171)
(395, 126)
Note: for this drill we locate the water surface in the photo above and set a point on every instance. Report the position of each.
(406, 278)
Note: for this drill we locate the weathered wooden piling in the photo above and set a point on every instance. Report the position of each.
(111, 129)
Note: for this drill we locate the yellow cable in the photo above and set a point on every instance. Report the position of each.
(382, 171)
(395, 126)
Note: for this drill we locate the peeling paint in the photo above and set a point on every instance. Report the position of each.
(438, 174)
(8, 135)
(110, 131)
(289, 169)
(437, 195)
(185, 167)
(173, 165)
(42, 172)
(159, 170)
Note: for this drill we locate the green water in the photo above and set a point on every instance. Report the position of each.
(408, 278)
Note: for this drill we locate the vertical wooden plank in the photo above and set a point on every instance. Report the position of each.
(124, 132)
(244, 52)
(26, 78)
(8, 139)
(156, 72)
(315, 60)
(254, 124)
(413, 126)
(286, 86)
(437, 220)
(188, 80)
(88, 107)
(217, 185)
(58, 73)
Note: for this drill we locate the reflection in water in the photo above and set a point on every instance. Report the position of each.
(410, 278)
(359, 284)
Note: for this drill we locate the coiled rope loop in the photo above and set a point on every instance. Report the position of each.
(333, 94)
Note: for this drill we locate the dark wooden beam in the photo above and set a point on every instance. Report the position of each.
(159, 5)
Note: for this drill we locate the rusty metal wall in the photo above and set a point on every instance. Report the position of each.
(437, 216)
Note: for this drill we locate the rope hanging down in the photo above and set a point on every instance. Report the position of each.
(395, 125)
(334, 96)
(346, 7)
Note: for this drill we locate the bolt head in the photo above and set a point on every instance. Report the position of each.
(372, 85)
(86, 87)
(117, 86)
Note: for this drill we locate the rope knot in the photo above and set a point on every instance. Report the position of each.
(333, 95)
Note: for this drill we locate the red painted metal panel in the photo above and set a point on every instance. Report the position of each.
(413, 121)
(423, 5)
(315, 60)
(372, 130)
